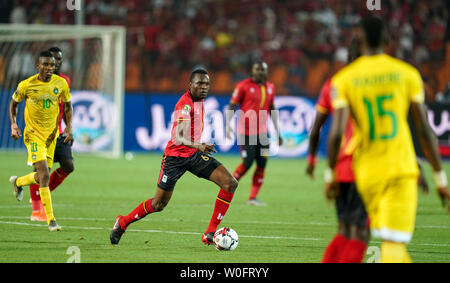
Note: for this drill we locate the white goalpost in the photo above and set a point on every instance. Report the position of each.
(94, 60)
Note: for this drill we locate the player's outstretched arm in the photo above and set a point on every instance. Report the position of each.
(314, 139)
(15, 131)
(428, 142)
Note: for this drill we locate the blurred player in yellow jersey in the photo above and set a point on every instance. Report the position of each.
(41, 93)
(377, 91)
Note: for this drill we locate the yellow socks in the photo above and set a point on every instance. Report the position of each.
(26, 180)
(394, 253)
(46, 199)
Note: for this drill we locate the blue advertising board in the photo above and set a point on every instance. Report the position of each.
(148, 123)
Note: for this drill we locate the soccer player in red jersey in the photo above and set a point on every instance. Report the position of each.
(185, 152)
(63, 151)
(350, 243)
(255, 95)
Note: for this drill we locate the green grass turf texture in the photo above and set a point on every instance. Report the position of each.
(295, 226)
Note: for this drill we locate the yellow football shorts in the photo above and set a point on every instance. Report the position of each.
(391, 206)
(38, 151)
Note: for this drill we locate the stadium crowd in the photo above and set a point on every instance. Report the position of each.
(302, 41)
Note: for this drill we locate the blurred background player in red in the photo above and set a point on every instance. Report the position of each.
(255, 95)
(350, 243)
(185, 152)
(63, 151)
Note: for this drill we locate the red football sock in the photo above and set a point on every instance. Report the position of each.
(240, 171)
(258, 179)
(334, 249)
(35, 197)
(56, 178)
(221, 206)
(142, 210)
(353, 252)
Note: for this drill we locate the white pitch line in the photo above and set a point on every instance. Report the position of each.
(159, 219)
(197, 233)
(27, 206)
(160, 231)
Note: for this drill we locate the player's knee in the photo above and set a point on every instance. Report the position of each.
(159, 205)
(248, 162)
(261, 162)
(230, 185)
(43, 176)
(344, 229)
(359, 233)
(363, 234)
(67, 166)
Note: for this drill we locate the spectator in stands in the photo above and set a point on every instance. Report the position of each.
(174, 35)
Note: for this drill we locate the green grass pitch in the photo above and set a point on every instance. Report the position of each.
(295, 226)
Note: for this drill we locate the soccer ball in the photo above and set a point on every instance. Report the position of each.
(225, 239)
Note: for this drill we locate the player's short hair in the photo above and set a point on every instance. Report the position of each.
(375, 30)
(258, 62)
(198, 70)
(45, 53)
(55, 49)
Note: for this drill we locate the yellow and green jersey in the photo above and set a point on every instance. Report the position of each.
(42, 104)
(378, 89)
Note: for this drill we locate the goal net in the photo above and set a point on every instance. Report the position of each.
(93, 59)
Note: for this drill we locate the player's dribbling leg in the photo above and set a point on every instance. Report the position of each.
(155, 204)
(228, 185)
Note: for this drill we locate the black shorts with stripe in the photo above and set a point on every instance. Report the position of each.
(63, 150)
(349, 205)
(254, 148)
(173, 167)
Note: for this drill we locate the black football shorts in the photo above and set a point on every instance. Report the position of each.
(254, 148)
(173, 167)
(349, 205)
(62, 150)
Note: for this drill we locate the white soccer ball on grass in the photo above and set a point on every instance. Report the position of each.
(226, 239)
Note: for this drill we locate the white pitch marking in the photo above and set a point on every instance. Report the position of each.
(192, 233)
(151, 231)
(160, 219)
(157, 231)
